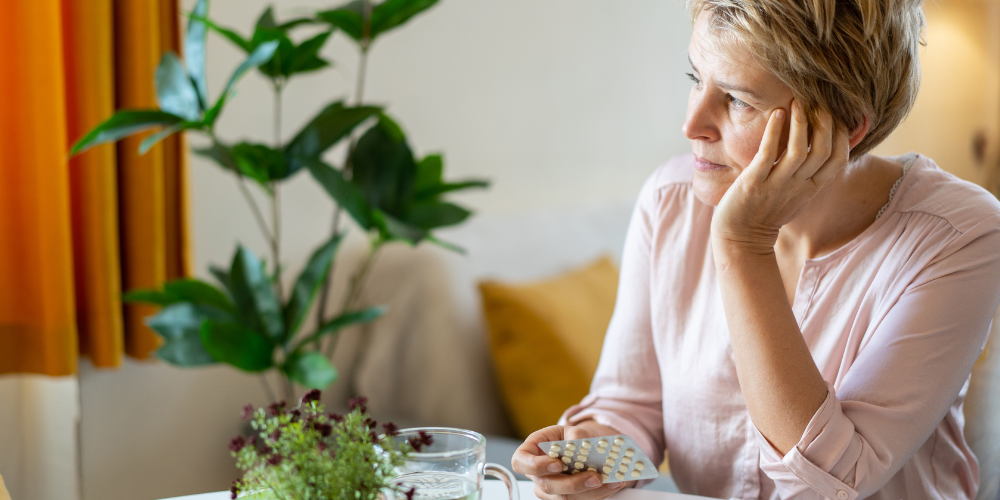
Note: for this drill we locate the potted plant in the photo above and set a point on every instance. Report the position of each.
(304, 453)
(248, 319)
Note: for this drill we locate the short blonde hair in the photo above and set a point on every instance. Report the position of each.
(854, 58)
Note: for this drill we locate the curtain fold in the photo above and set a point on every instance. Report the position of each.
(74, 234)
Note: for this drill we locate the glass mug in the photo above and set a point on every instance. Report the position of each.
(453, 467)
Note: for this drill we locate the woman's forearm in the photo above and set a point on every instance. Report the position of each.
(780, 382)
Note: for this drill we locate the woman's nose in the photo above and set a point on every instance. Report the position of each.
(699, 124)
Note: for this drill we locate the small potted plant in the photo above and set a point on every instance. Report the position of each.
(304, 453)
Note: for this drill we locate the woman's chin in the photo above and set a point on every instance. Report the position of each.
(710, 188)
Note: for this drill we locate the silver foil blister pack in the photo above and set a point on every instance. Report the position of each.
(616, 458)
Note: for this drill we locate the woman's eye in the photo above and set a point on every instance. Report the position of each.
(694, 79)
(736, 102)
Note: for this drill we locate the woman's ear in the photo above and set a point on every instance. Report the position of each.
(860, 131)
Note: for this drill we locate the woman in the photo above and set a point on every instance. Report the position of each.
(796, 318)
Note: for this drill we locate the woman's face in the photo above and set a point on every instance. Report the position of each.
(730, 102)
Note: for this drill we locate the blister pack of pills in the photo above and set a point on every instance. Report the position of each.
(616, 458)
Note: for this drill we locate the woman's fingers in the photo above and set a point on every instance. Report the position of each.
(798, 143)
(820, 149)
(529, 459)
(574, 487)
(839, 154)
(760, 167)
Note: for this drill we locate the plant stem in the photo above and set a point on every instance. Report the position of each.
(289, 391)
(358, 95)
(358, 280)
(354, 291)
(267, 388)
(241, 182)
(278, 84)
(276, 242)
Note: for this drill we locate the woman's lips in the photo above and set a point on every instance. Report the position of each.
(704, 165)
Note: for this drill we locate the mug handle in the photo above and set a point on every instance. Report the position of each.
(500, 472)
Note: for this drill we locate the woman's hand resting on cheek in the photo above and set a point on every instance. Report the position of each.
(546, 472)
(768, 195)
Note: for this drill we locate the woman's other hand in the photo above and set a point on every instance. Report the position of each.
(768, 195)
(546, 472)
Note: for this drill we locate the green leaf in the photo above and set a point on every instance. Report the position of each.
(222, 276)
(307, 284)
(220, 153)
(336, 324)
(154, 139)
(266, 20)
(237, 345)
(182, 290)
(175, 93)
(393, 229)
(259, 162)
(394, 13)
(194, 51)
(433, 192)
(122, 124)
(198, 292)
(446, 245)
(384, 170)
(294, 23)
(274, 67)
(429, 173)
(347, 195)
(328, 127)
(310, 369)
(348, 18)
(227, 33)
(259, 56)
(391, 128)
(149, 296)
(180, 327)
(305, 56)
(431, 215)
(253, 295)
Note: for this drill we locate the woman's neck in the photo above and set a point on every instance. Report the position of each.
(842, 210)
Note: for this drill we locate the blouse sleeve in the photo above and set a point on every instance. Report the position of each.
(903, 382)
(625, 392)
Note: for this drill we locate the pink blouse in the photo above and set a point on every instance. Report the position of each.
(895, 319)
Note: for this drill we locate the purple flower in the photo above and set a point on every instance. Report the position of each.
(247, 411)
(409, 493)
(390, 429)
(311, 396)
(358, 403)
(416, 444)
(276, 435)
(233, 490)
(426, 438)
(336, 417)
(275, 409)
(275, 459)
(371, 423)
(324, 429)
(237, 444)
(261, 446)
(296, 415)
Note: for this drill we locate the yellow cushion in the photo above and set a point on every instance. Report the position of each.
(546, 340)
(3, 491)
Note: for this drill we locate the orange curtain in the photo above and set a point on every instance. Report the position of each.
(74, 234)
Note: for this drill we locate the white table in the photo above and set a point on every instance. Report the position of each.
(495, 490)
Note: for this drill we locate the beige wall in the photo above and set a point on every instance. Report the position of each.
(960, 91)
(559, 102)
